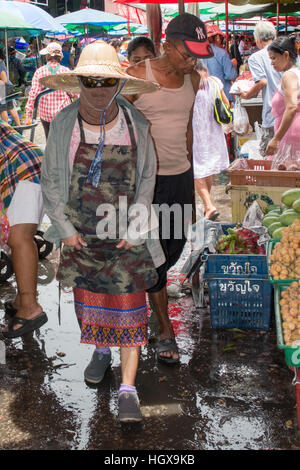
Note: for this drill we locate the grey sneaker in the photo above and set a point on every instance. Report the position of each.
(129, 408)
(97, 367)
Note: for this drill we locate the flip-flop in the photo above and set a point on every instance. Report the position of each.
(214, 215)
(167, 345)
(28, 325)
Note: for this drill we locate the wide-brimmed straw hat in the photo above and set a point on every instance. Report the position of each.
(99, 60)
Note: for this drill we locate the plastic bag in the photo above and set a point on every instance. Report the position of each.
(258, 131)
(227, 128)
(241, 123)
(253, 220)
(238, 164)
(241, 85)
(251, 148)
(287, 158)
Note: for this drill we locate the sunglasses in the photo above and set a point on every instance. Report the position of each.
(90, 82)
(185, 57)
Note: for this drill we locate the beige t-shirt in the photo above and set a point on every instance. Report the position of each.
(168, 111)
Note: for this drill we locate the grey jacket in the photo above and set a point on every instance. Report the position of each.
(55, 179)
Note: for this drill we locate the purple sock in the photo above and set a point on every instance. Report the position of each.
(103, 350)
(127, 388)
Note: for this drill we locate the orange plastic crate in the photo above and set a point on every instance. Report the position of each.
(260, 174)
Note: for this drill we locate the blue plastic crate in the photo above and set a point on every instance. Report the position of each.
(237, 266)
(240, 303)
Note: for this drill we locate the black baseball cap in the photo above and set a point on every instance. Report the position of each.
(192, 32)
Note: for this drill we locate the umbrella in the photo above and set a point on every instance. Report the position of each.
(89, 19)
(134, 28)
(13, 25)
(34, 15)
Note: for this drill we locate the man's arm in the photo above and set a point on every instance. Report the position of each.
(254, 90)
(258, 73)
(71, 61)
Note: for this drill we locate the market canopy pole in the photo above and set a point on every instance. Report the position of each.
(278, 4)
(226, 23)
(180, 6)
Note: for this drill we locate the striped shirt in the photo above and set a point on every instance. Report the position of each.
(19, 160)
(52, 103)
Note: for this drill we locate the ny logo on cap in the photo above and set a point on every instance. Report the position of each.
(200, 33)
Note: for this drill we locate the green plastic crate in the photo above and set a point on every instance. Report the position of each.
(292, 354)
(271, 243)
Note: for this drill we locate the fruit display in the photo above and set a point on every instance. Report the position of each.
(285, 258)
(240, 241)
(279, 216)
(290, 314)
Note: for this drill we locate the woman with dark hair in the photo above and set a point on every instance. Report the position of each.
(285, 102)
(140, 48)
(6, 89)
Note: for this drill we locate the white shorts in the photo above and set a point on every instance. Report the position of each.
(26, 206)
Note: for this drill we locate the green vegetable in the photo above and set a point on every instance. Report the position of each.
(296, 205)
(270, 219)
(272, 208)
(289, 217)
(275, 212)
(290, 196)
(273, 227)
(278, 232)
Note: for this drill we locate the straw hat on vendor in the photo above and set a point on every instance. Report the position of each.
(98, 60)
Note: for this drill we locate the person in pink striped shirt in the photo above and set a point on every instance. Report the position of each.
(51, 103)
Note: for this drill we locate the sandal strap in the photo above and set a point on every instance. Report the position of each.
(167, 344)
(17, 320)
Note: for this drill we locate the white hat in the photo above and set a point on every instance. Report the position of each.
(98, 60)
(53, 49)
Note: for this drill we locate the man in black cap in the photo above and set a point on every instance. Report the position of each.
(169, 111)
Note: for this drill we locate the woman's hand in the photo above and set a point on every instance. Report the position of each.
(124, 244)
(76, 241)
(272, 146)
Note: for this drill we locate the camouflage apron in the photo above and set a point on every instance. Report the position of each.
(101, 267)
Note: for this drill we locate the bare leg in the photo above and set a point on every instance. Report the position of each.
(4, 116)
(129, 364)
(25, 263)
(203, 188)
(159, 301)
(15, 116)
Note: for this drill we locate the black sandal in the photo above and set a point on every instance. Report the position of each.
(28, 325)
(167, 345)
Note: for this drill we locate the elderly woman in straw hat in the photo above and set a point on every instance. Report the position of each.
(100, 157)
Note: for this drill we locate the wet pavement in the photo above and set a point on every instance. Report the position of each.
(232, 389)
